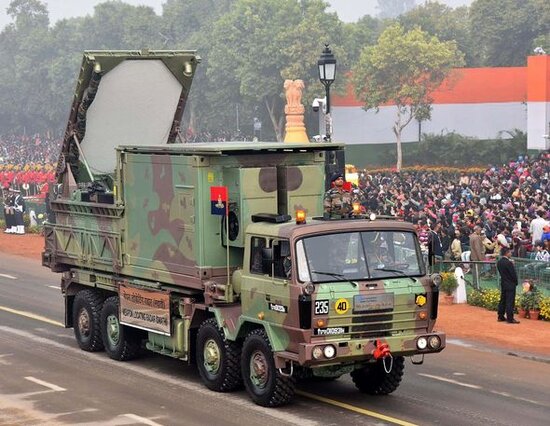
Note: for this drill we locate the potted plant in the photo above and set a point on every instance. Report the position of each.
(534, 303)
(448, 285)
(523, 303)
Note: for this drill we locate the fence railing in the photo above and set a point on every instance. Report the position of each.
(484, 275)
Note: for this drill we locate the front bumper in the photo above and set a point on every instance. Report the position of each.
(357, 350)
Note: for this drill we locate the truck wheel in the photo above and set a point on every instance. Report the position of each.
(86, 320)
(264, 383)
(374, 380)
(121, 343)
(218, 359)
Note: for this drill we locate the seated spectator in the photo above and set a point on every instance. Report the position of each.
(542, 253)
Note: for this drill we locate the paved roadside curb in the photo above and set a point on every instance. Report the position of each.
(494, 349)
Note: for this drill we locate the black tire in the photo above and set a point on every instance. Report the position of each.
(121, 343)
(87, 306)
(276, 389)
(374, 380)
(222, 372)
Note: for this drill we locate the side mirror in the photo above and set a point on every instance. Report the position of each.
(267, 260)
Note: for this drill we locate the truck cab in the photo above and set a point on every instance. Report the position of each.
(329, 290)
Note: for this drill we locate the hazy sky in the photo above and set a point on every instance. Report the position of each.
(348, 10)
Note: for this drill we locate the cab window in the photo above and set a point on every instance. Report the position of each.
(257, 244)
(281, 258)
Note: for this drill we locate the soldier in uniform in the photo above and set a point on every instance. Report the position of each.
(9, 210)
(19, 208)
(338, 202)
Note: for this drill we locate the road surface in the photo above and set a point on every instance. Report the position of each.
(47, 380)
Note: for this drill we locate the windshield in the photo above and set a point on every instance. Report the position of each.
(358, 256)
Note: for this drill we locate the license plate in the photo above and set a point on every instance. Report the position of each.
(373, 302)
(330, 331)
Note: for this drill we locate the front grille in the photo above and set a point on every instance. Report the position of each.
(380, 323)
(374, 325)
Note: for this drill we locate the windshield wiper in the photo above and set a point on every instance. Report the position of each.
(341, 277)
(397, 271)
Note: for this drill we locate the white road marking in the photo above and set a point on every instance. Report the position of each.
(140, 419)
(55, 287)
(505, 394)
(455, 382)
(2, 361)
(11, 277)
(459, 374)
(30, 315)
(45, 384)
(518, 398)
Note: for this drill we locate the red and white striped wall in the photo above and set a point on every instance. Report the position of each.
(484, 103)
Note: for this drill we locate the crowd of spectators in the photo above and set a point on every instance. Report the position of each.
(509, 204)
(27, 162)
(24, 149)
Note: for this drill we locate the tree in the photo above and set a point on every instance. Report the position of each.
(190, 24)
(259, 44)
(359, 34)
(445, 23)
(542, 8)
(117, 25)
(404, 68)
(25, 51)
(390, 9)
(183, 19)
(504, 30)
(67, 41)
(28, 13)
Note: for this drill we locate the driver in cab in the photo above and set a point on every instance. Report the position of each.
(377, 254)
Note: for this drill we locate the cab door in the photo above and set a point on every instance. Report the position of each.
(265, 289)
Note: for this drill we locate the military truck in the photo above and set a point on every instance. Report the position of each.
(219, 254)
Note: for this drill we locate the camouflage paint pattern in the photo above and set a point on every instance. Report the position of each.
(158, 233)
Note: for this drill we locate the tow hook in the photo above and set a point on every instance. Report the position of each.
(284, 374)
(382, 352)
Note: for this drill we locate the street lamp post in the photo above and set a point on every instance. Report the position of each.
(327, 73)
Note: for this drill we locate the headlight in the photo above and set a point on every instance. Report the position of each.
(309, 288)
(436, 279)
(434, 342)
(329, 351)
(317, 352)
(421, 343)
